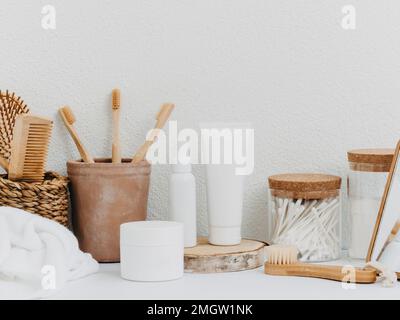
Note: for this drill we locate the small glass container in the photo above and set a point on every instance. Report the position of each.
(366, 181)
(305, 211)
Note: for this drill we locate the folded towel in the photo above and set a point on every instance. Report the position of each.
(37, 256)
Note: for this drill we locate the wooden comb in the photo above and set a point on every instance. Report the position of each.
(10, 107)
(29, 148)
(162, 117)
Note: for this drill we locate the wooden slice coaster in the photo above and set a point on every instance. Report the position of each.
(207, 258)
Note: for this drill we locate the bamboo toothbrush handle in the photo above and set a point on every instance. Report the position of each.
(336, 273)
(4, 163)
(116, 146)
(86, 157)
(163, 114)
(141, 153)
(81, 149)
(162, 118)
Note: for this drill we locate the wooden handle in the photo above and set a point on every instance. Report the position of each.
(162, 118)
(390, 238)
(79, 145)
(163, 114)
(394, 231)
(116, 146)
(140, 155)
(337, 273)
(4, 163)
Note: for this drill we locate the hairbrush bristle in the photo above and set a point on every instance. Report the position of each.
(68, 114)
(281, 254)
(116, 99)
(11, 106)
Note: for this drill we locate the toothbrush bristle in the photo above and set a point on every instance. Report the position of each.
(68, 114)
(116, 99)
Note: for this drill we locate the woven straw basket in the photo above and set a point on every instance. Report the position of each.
(48, 199)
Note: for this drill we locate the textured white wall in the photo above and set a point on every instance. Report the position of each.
(311, 89)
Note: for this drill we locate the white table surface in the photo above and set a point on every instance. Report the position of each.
(252, 284)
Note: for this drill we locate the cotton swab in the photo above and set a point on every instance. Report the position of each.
(309, 225)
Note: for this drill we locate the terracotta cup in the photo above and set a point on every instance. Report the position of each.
(103, 196)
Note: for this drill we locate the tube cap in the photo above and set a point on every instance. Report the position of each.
(224, 236)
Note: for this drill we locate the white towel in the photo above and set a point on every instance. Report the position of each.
(37, 256)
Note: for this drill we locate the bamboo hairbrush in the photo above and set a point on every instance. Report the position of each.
(29, 148)
(162, 117)
(69, 119)
(10, 107)
(282, 261)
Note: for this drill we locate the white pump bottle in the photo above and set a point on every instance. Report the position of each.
(182, 201)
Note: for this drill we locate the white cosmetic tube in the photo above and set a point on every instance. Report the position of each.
(224, 203)
(224, 187)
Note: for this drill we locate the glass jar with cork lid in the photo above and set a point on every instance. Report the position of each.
(305, 211)
(366, 181)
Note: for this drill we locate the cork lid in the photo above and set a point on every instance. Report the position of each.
(304, 185)
(373, 160)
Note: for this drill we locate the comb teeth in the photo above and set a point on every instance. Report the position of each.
(68, 114)
(36, 152)
(30, 148)
(116, 99)
(281, 254)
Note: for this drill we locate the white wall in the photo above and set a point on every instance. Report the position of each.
(311, 89)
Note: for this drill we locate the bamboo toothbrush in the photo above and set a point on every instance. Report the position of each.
(69, 119)
(282, 261)
(116, 146)
(29, 148)
(162, 117)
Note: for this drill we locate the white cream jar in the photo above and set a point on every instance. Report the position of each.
(152, 250)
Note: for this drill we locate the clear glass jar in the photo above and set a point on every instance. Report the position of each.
(305, 211)
(366, 181)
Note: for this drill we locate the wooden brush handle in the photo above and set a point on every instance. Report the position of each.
(140, 155)
(4, 163)
(116, 146)
(79, 145)
(163, 114)
(162, 118)
(319, 271)
(86, 157)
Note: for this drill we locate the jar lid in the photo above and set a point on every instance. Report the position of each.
(151, 233)
(375, 160)
(305, 185)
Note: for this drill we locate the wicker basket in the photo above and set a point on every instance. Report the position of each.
(48, 199)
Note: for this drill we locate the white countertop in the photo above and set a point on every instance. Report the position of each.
(252, 284)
